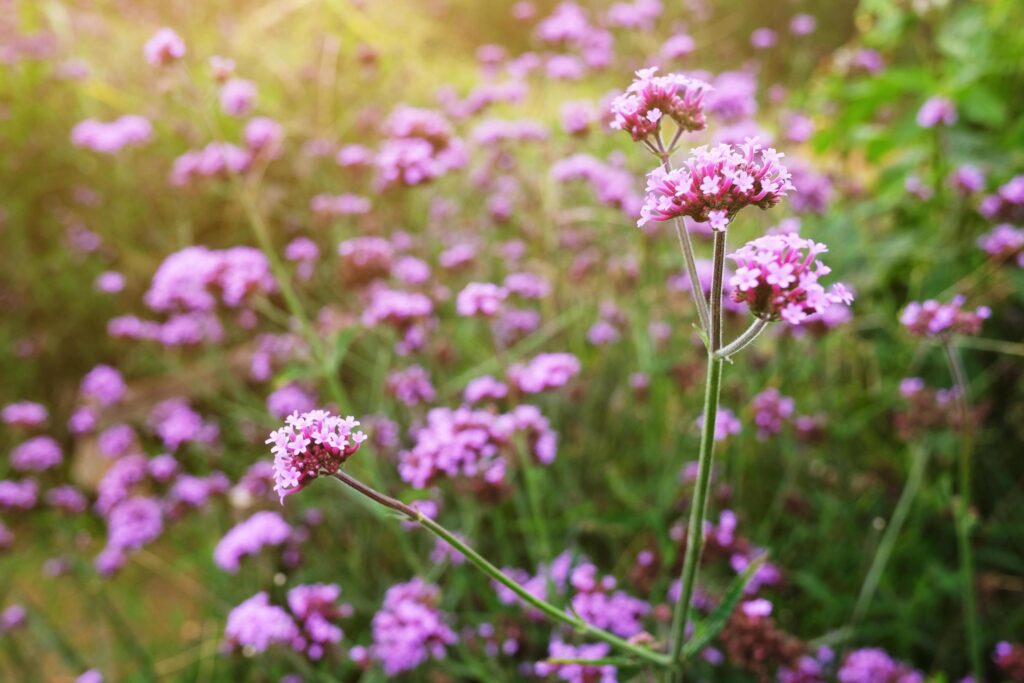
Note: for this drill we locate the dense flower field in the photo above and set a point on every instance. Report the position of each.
(646, 340)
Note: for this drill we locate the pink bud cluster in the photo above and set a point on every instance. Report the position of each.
(931, 318)
(715, 183)
(1004, 243)
(650, 98)
(309, 445)
(777, 277)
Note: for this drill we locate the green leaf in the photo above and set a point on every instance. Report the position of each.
(708, 628)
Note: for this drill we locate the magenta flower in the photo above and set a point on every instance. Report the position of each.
(409, 629)
(165, 47)
(24, 414)
(480, 298)
(110, 138)
(37, 454)
(931, 318)
(258, 625)
(544, 372)
(649, 98)
(715, 183)
(935, 111)
(1004, 243)
(777, 277)
(309, 445)
(104, 385)
(248, 538)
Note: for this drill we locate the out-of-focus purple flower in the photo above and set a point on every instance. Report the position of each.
(354, 156)
(1004, 243)
(263, 137)
(777, 277)
(409, 629)
(802, 25)
(1007, 204)
(223, 68)
(726, 424)
(340, 205)
(612, 185)
(967, 179)
(678, 46)
(249, 537)
(305, 253)
(757, 608)
(480, 298)
(190, 279)
(598, 603)
(411, 386)
(237, 97)
(310, 444)
(18, 495)
(771, 411)
(165, 47)
(176, 423)
(931, 318)
(492, 132)
(485, 388)
(257, 625)
(133, 523)
(103, 385)
(577, 117)
(798, 128)
(12, 618)
(544, 372)
(577, 673)
(109, 282)
(315, 608)
(215, 160)
(874, 665)
(36, 454)
(66, 498)
(715, 183)
(763, 38)
(24, 414)
(90, 676)
(603, 332)
(935, 111)
(111, 137)
(289, 399)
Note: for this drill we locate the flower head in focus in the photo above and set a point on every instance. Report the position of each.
(311, 444)
(777, 277)
(715, 183)
(650, 98)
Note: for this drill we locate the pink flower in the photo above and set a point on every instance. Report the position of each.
(777, 277)
(715, 183)
(936, 110)
(237, 96)
(165, 47)
(480, 298)
(648, 98)
(931, 318)
(309, 445)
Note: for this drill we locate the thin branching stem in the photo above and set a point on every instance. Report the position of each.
(744, 340)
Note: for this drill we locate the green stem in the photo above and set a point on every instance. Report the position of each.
(962, 508)
(899, 516)
(686, 247)
(490, 570)
(744, 340)
(699, 504)
(698, 509)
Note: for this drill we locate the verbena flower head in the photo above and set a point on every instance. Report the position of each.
(165, 47)
(248, 538)
(715, 183)
(777, 277)
(650, 98)
(935, 111)
(257, 625)
(874, 665)
(24, 414)
(931, 318)
(1004, 243)
(410, 629)
(36, 454)
(309, 445)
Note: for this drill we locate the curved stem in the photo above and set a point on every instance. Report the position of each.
(744, 340)
(963, 508)
(490, 570)
(919, 458)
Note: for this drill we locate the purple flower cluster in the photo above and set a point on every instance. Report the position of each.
(18, 495)
(249, 537)
(421, 147)
(777, 277)
(256, 625)
(1007, 204)
(544, 372)
(131, 524)
(289, 399)
(346, 204)
(411, 386)
(24, 414)
(597, 602)
(771, 411)
(474, 444)
(111, 137)
(315, 608)
(873, 665)
(37, 454)
(215, 160)
(935, 111)
(191, 279)
(165, 47)
(715, 183)
(577, 673)
(931, 318)
(1004, 243)
(176, 423)
(310, 444)
(726, 424)
(650, 97)
(409, 629)
(612, 184)
(103, 385)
